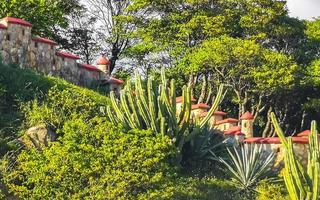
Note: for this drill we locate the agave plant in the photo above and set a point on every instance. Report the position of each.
(247, 165)
(302, 183)
(154, 108)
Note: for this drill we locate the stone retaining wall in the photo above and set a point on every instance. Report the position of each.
(19, 47)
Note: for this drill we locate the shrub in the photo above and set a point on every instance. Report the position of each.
(61, 106)
(267, 190)
(19, 86)
(95, 160)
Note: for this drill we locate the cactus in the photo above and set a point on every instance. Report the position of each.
(155, 108)
(301, 183)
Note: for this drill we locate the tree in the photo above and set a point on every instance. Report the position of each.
(252, 71)
(45, 15)
(115, 26)
(81, 36)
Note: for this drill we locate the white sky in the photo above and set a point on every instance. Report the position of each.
(304, 9)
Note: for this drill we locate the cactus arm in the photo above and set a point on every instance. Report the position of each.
(279, 130)
(213, 108)
(173, 96)
(152, 105)
(111, 116)
(183, 107)
(115, 106)
(132, 105)
(128, 116)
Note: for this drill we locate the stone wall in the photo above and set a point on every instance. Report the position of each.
(19, 47)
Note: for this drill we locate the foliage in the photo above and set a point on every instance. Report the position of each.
(19, 86)
(94, 160)
(248, 166)
(156, 109)
(43, 14)
(232, 60)
(207, 188)
(60, 106)
(267, 190)
(81, 36)
(301, 183)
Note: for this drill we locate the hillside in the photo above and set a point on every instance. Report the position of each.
(20, 86)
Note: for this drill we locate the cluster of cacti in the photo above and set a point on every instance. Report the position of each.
(302, 183)
(154, 108)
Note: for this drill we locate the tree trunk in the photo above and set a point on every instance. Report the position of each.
(203, 89)
(267, 128)
(210, 93)
(191, 83)
(303, 120)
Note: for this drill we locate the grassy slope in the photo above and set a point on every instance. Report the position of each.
(18, 86)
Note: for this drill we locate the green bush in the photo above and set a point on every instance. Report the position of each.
(61, 106)
(19, 86)
(207, 188)
(95, 160)
(271, 191)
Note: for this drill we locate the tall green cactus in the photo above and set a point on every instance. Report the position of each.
(151, 107)
(301, 183)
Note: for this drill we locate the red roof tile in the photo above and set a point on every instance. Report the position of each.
(233, 129)
(271, 140)
(67, 55)
(45, 40)
(304, 133)
(179, 99)
(228, 120)
(275, 140)
(300, 140)
(220, 113)
(247, 116)
(103, 61)
(215, 113)
(89, 67)
(2, 26)
(13, 20)
(116, 81)
(200, 105)
(253, 140)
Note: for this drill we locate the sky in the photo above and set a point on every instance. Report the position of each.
(304, 9)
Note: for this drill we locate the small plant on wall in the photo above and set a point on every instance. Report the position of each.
(154, 108)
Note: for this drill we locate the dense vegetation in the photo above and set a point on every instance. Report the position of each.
(135, 146)
(92, 158)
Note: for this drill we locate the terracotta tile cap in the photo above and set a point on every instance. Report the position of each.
(116, 81)
(253, 140)
(233, 129)
(180, 99)
(45, 40)
(200, 105)
(300, 140)
(247, 116)
(275, 140)
(89, 67)
(228, 120)
(13, 20)
(103, 61)
(67, 55)
(215, 113)
(2, 26)
(305, 133)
